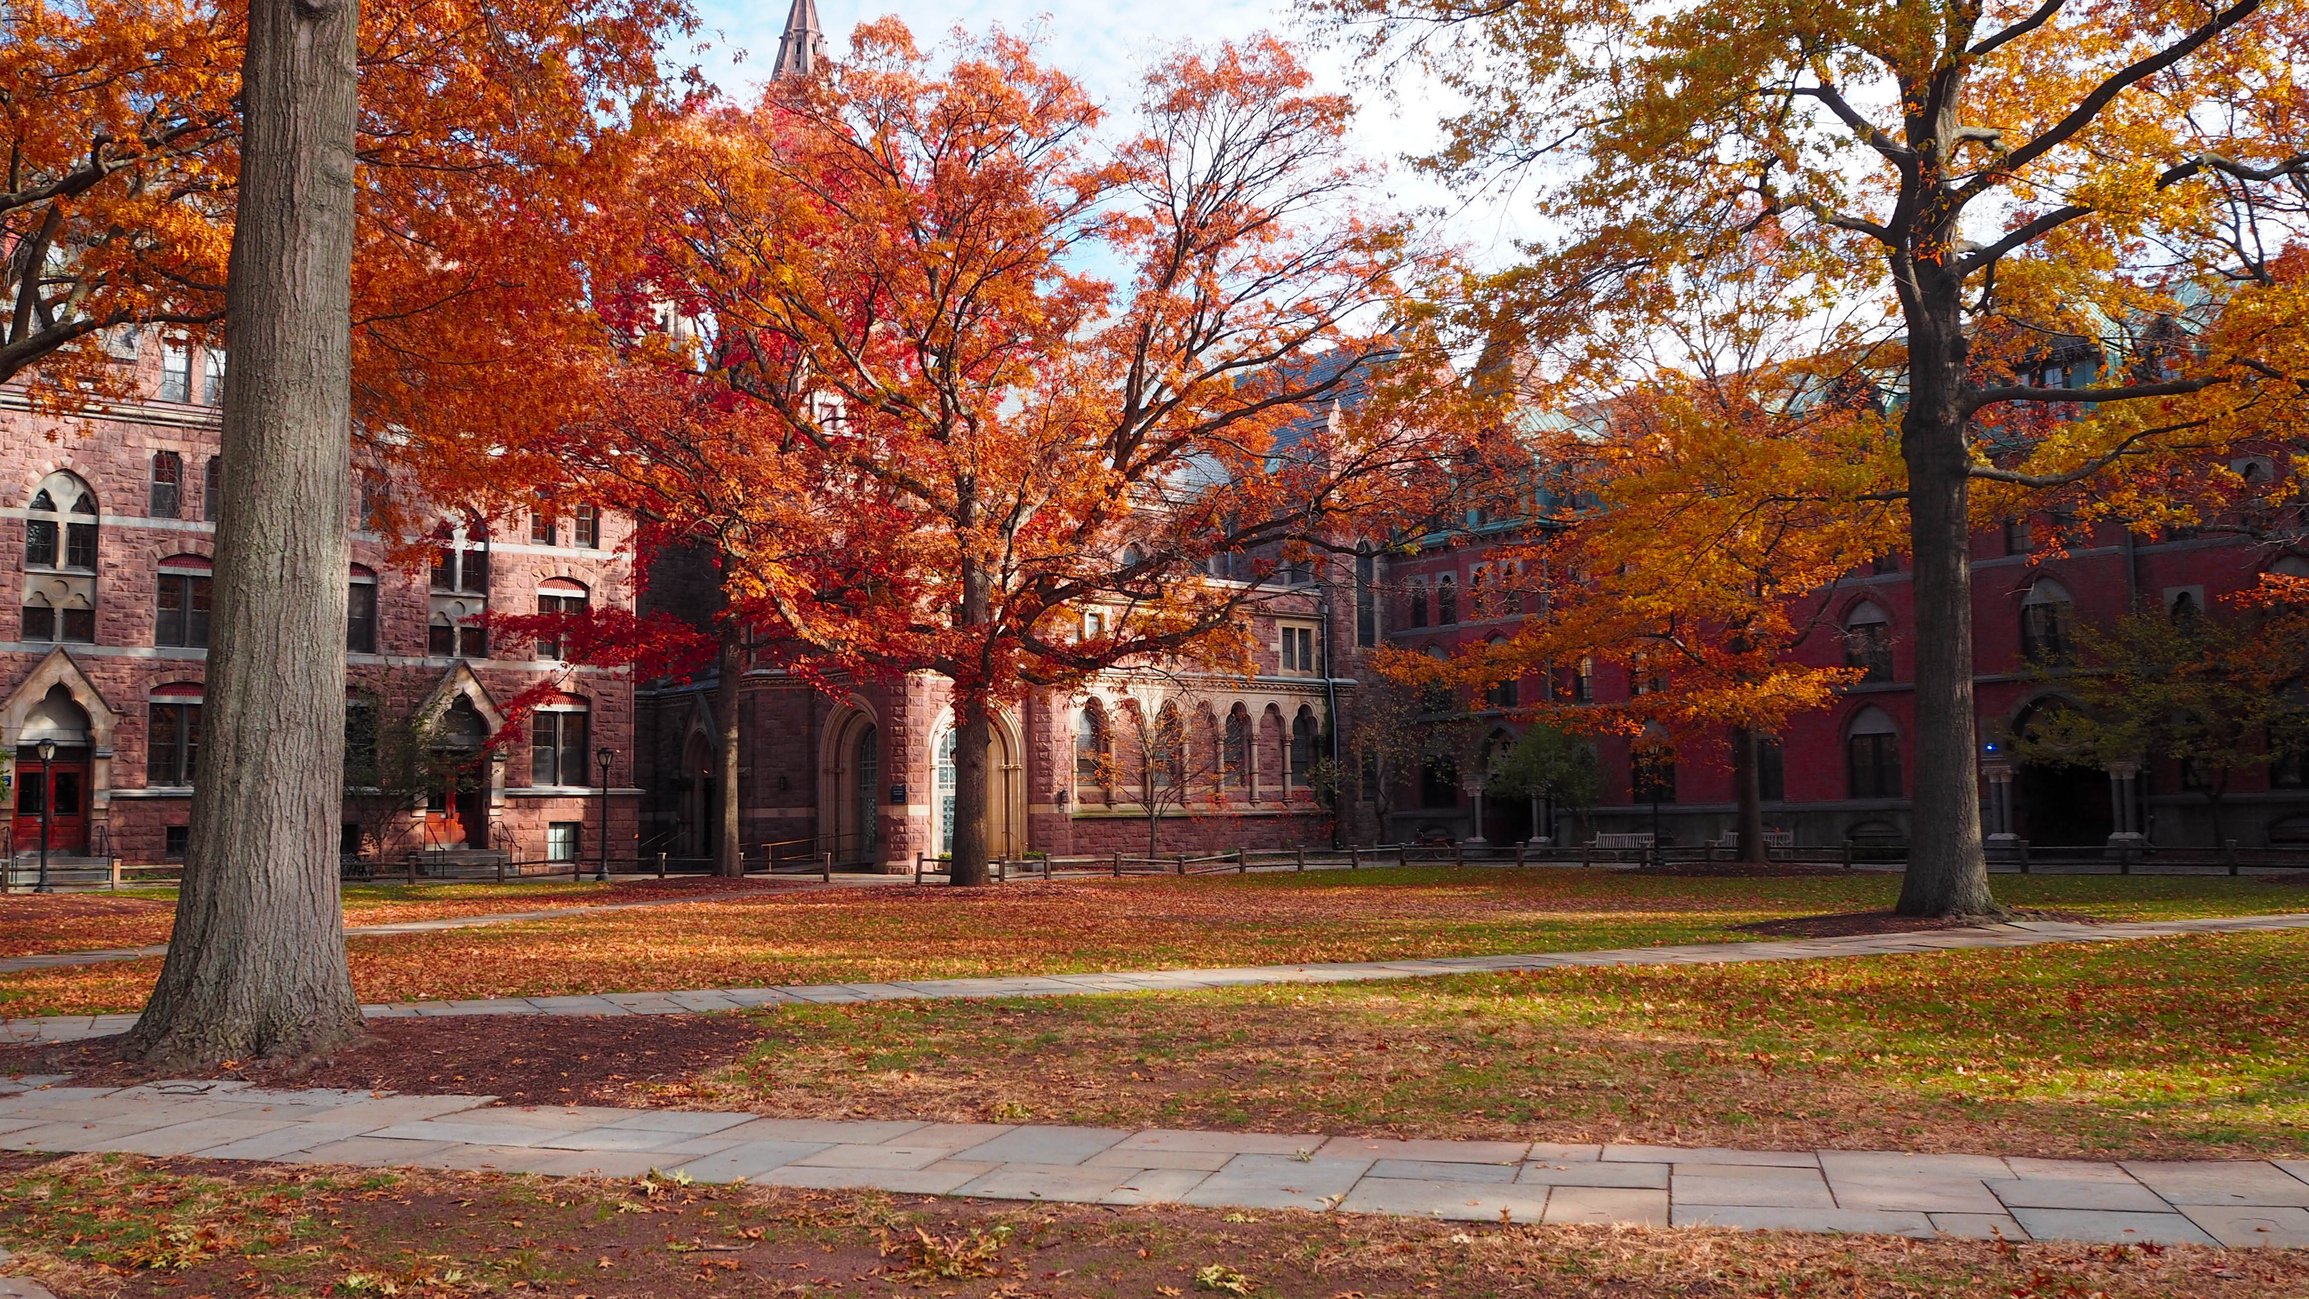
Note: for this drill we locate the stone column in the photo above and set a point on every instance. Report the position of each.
(2000, 832)
(2123, 777)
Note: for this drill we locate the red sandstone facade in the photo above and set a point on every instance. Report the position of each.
(106, 539)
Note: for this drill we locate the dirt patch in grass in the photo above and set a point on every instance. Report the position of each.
(117, 1226)
(1852, 923)
(521, 1059)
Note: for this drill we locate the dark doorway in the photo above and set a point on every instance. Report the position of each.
(2064, 805)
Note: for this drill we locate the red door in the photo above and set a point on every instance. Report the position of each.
(64, 792)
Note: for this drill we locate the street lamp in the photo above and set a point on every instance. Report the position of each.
(603, 756)
(47, 751)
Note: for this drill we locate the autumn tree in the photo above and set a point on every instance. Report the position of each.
(256, 966)
(485, 139)
(2043, 199)
(1163, 746)
(892, 259)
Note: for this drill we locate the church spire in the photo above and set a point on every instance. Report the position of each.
(802, 48)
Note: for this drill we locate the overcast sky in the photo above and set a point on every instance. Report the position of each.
(1105, 43)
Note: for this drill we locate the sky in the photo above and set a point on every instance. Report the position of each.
(1105, 43)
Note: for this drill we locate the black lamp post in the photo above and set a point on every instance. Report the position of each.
(47, 752)
(603, 756)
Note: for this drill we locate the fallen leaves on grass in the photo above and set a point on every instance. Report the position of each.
(2142, 1049)
(1080, 926)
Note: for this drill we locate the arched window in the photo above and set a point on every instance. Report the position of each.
(1133, 555)
(561, 598)
(2185, 609)
(1478, 594)
(60, 562)
(2047, 616)
(1872, 755)
(1502, 693)
(557, 743)
(172, 735)
(1583, 682)
(1415, 604)
(1090, 748)
(1169, 758)
(1446, 600)
(167, 483)
(1868, 642)
(361, 611)
(1235, 751)
(181, 617)
(1302, 746)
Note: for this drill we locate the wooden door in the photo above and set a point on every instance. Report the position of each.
(64, 791)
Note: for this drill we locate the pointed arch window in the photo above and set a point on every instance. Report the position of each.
(60, 562)
(1415, 604)
(1872, 755)
(1090, 748)
(1303, 731)
(1446, 600)
(1235, 754)
(1170, 749)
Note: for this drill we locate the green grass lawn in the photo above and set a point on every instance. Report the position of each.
(2186, 1047)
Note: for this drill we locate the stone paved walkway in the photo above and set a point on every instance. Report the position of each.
(73, 1028)
(2237, 1203)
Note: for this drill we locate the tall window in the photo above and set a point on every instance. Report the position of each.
(1583, 682)
(167, 484)
(172, 736)
(1415, 606)
(460, 594)
(1446, 601)
(1478, 595)
(1169, 758)
(2016, 538)
(1868, 643)
(175, 373)
(1771, 770)
(212, 378)
(558, 597)
(1366, 607)
(211, 487)
(543, 527)
(60, 562)
(1302, 746)
(586, 527)
(1090, 766)
(361, 611)
(1652, 770)
(557, 745)
(1872, 755)
(1235, 755)
(2046, 618)
(181, 619)
(360, 743)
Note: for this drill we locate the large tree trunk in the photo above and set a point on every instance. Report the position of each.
(1748, 793)
(973, 739)
(729, 846)
(256, 967)
(1947, 870)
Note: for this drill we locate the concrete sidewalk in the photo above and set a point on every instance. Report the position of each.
(2235, 1203)
(73, 1028)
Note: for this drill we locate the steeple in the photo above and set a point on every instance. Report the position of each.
(802, 48)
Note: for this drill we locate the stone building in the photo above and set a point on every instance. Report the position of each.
(107, 539)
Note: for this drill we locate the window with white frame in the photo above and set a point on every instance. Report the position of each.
(562, 598)
(564, 841)
(557, 745)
